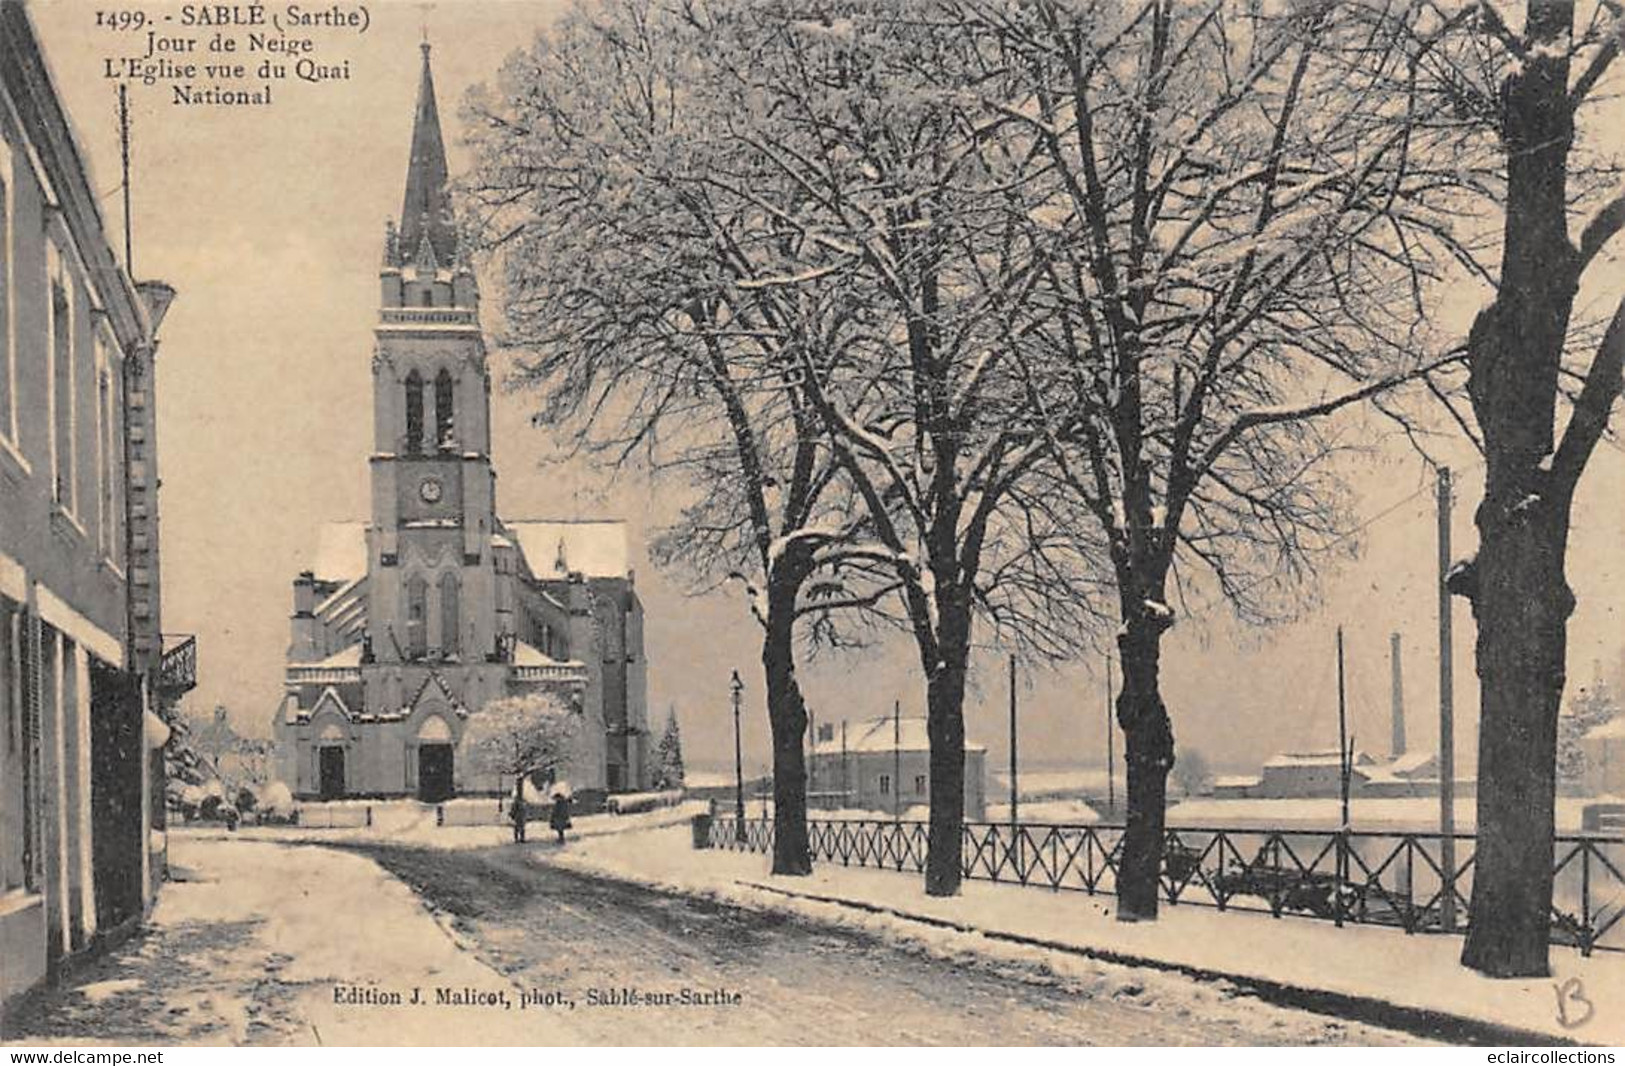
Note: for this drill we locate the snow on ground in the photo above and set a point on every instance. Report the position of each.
(1419, 814)
(663, 861)
(1058, 784)
(1046, 812)
(1416, 972)
(408, 822)
(257, 943)
(336, 920)
(101, 991)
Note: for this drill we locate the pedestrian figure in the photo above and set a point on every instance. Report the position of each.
(518, 813)
(560, 821)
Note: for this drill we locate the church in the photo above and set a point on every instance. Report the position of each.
(405, 625)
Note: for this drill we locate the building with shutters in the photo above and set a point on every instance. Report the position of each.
(406, 624)
(884, 765)
(82, 656)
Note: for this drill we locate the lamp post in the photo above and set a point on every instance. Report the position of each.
(737, 687)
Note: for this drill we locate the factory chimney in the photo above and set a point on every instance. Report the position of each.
(1397, 745)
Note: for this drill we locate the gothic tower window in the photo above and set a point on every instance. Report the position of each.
(443, 418)
(450, 616)
(417, 609)
(414, 413)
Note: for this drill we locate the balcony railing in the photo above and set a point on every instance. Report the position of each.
(177, 668)
(429, 316)
(560, 674)
(324, 675)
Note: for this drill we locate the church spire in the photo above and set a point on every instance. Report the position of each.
(426, 212)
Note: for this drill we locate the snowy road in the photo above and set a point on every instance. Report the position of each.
(799, 983)
(267, 943)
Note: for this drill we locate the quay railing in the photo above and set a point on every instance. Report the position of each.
(1394, 879)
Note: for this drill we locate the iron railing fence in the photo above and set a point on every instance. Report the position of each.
(1391, 879)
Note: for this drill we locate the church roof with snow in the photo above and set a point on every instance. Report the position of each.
(345, 657)
(341, 551)
(553, 548)
(592, 547)
(527, 655)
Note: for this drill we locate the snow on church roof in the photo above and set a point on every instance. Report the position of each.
(345, 657)
(553, 548)
(595, 548)
(341, 551)
(526, 655)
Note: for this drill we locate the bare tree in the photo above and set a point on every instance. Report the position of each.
(1245, 216)
(1192, 773)
(1521, 91)
(874, 115)
(519, 736)
(647, 300)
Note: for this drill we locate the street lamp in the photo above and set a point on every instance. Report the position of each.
(737, 687)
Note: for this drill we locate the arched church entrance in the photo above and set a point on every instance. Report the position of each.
(435, 761)
(330, 763)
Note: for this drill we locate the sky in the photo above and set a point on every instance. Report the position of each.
(269, 223)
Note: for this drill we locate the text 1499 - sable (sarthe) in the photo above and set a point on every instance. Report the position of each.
(282, 18)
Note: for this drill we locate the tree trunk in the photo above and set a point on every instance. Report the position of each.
(945, 726)
(1522, 607)
(1520, 598)
(1149, 751)
(787, 717)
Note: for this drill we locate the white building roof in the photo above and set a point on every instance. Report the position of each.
(1313, 758)
(879, 734)
(553, 548)
(1411, 765)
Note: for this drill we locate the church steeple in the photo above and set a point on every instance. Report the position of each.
(426, 211)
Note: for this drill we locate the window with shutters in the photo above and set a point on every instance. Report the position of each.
(11, 747)
(64, 448)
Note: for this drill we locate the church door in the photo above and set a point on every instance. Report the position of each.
(332, 772)
(434, 772)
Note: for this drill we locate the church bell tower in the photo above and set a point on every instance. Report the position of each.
(429, 565)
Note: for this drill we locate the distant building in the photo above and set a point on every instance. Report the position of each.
(409, 623)
(1311, 773)
(1415, 773)
(1317, 775)
(884, 765)
(82, 663)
